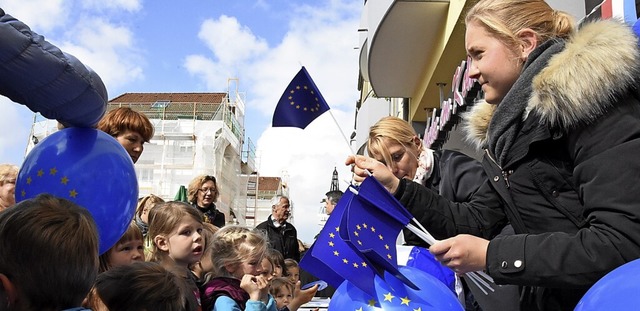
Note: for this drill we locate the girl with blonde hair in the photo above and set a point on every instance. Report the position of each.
(175, 228)
(238, 282)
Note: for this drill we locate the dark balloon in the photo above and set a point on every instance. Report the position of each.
(90, 168)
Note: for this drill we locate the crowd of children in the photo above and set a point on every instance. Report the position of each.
(170, 258)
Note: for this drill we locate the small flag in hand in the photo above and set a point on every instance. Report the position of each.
(300, 104)
(337, 259)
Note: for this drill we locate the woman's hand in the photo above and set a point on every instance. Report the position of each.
(362, 166)
(462, 253)
(257, 286)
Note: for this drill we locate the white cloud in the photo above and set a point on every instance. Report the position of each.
(108, 49)
(230, 42)
(42, 16)
(127, 5)
(14, 119)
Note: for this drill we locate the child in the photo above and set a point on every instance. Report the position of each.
(175, 229)
(142, 212)
(144, 286)
(202, 269)
(282, 291)
(276, 258)
(48, 254)
(293, 270)
(127, 250)
(237, 255)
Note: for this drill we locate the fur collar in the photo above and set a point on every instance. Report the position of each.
(600, 62)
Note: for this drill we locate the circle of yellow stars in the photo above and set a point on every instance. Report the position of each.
(305, 108)
(362, 228)
(53, 172)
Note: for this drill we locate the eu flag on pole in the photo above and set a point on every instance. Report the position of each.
(300, 104)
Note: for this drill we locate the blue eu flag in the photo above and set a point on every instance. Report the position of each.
(370, 228)
(300, 104)
(338, 256)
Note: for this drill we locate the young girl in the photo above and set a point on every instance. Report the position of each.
(142, 212)
(282, 291)
(293, 270)
(238, 283)
(127, 250)
(276, 258)
(203, 267)
(175, 229)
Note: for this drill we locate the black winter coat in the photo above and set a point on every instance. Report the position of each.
(456, 177)
(569, 182)
(283, 238)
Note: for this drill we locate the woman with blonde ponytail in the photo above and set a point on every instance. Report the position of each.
(560, 129)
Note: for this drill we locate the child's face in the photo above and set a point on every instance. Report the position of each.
(126, 253)
(277, 271)
(283, 297)
(252, 266)
(267, 269)
(293, 274)
(186, 245)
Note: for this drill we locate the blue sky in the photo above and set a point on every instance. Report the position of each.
(195, 46)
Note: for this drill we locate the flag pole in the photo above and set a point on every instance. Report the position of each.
(341, 132)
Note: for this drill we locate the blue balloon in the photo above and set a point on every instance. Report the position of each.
(422, 259)
(617, 290)
(90, 168)
(348, 297)
(431, 294)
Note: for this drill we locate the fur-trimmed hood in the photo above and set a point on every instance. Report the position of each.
(600, 63)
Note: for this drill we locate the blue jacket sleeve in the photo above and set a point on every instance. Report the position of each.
(224, 303)
(37, 74)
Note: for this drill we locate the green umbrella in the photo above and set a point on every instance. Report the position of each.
(182, 195)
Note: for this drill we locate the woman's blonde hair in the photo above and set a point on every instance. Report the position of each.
(196, 183)
(390, 128)
(234, 245)
(505, 18)
(121, 119)
(163, 220)
(132, 233)
(7, 172)
(148, 201)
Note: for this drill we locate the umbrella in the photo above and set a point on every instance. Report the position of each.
(181, 195)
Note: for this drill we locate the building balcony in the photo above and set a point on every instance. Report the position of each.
(409, 48)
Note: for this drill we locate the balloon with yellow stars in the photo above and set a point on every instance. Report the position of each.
(90, 168)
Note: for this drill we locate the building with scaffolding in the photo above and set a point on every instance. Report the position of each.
(195, 133)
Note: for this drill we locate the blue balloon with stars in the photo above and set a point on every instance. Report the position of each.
(90, 168)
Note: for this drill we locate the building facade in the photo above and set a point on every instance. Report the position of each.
(195, 133)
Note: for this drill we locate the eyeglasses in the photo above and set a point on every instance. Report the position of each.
(211, 190)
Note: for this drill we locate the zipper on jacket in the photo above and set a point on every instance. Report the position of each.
(505, 174)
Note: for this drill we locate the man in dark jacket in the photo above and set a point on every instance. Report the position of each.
(282, 235)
